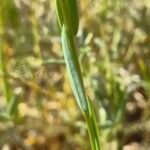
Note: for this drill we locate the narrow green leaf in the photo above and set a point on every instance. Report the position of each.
(12, 106)
(92, 126)
(74, 18)
(3, 71)
(73, 68)
(67, 13)
(9, 13)
(59, 13)
(68, 20)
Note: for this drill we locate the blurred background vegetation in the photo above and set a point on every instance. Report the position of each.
(37, 108)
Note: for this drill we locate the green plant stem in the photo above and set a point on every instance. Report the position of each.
(3, 70)
(68, 20)
(92, 127)
(4, 75)
(74, 72)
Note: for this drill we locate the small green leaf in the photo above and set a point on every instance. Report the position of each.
(73, 68)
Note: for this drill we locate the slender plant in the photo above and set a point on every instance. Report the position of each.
(9, 18)
(3, 71)
(67, 13)
(8, 12)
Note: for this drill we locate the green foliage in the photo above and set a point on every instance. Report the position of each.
(67, 13)
(9, 14)
(37, 108)
(3, 71)
(69, 25)
(73, 68)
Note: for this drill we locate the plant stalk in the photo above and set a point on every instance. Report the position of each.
(69, 28)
